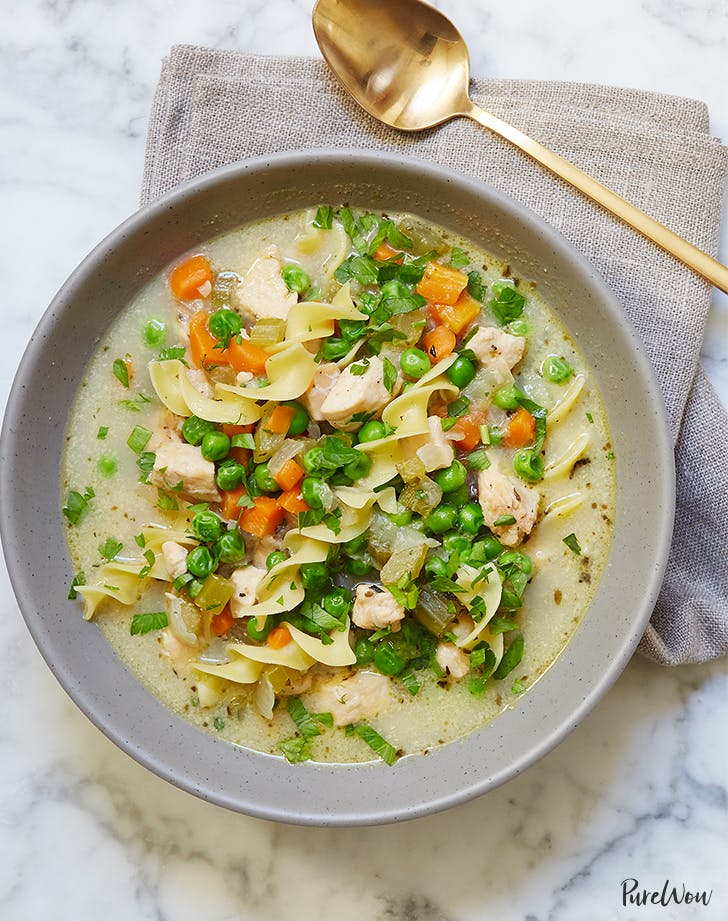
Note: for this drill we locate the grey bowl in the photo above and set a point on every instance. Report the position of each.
(78, 654)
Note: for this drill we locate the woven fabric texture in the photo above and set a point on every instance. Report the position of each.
(213, 107)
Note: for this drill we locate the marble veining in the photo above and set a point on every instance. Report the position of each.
(639, 790)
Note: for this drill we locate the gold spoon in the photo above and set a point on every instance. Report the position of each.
(408, 66)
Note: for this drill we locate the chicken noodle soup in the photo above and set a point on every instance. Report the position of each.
(338, 487)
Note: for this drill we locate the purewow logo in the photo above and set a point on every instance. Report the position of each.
(669, 894)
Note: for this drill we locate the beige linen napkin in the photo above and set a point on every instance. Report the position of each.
(215, 107)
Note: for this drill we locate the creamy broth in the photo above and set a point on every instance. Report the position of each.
(554, 601)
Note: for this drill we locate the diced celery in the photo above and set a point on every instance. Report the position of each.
(214, 594)
(268, 331)
(407, 561)
(411, 470)
(421, 496)
(432, 611)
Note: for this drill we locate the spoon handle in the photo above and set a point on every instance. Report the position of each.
(673, 243)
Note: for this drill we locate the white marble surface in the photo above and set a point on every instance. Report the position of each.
(639, 790)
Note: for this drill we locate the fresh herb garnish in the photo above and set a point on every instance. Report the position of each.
(378, 745)
(138, 439)
(504, 520)
(390, 375)
(175, 352)
(476, 286)
(573, 544)
(145, 623)
(78, 579)
(76, 504)
(511, 658)
(121, 372)
(478, 460)
(145, 463)
(507, 302)
(166, 502)
(324, 219)
(110, 548)
(458, 407)
(459, 258)
(102, 432)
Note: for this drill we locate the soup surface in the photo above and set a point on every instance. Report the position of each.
(338, 487)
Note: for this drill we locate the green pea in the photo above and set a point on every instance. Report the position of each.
(315, 577)
(260, 634)
(519, 328)
(363, 650)
(401, 517)
(371, 431)
(194, 429)
(106, 465)
(435, 566)
(528, 464)
(224, 324)
(452, 477)
(154, 333)
(200, 562)
(357, 544)
(359, 565)
(215, 446)
(358, 468)
(492, 547)
(470, 518)
(557, 370)
(300, 420)
(506, 397)
(461, 372)
(516, 558)
(264, 479)
(387, 659)
(207, 526)
(459, 496)
(230, 474)
(415, 363)
(338, 602)
(274, 558)
(314, 492)
(455, 543)
(231, 547)
(442, 518)
(312, 460)
(296, 279)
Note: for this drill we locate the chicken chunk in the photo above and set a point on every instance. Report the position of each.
(353, 394)
(375, 607)
(499, 496)
(246, 581)
(358, 697)
(491, 343)
(175, 559)
(323, 380)
(200, 382)
(168, 427)
(178, 463)
(452, 659)
(437, 452)
(262, 292)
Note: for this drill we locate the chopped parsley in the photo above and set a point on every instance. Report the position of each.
(572, 543)
(324, 219)
(386, 751)
(110, 548)
(121, 372)
(145, 623)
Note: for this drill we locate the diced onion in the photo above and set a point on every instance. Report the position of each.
(422, 496)
(178, 625)
(288, 450)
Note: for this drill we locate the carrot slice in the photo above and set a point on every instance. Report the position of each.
(189, 276)
(458, 315)
(263, 518)
(231, 429)
(280, 419)
(439, 342)
(521, 429)
(441, 284)
(469, 428)
(289, 475)
(279, 637)
(230, 498)
(246, 356)
(292, 501)
(222, 622)
(384, 251)
(203, 344)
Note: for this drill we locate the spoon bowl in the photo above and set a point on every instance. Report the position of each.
(409, 67)
(410, 74)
